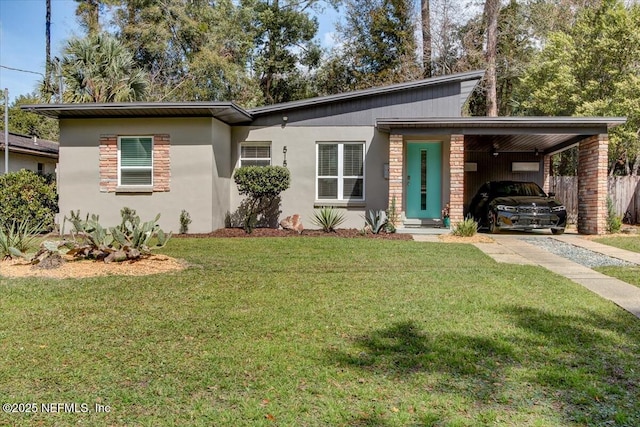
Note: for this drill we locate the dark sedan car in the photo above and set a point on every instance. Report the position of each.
(515, 205)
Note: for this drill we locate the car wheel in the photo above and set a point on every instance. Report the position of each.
(557, 231)
(492, 220)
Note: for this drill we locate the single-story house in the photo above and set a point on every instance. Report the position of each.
(405, 144)
(29, 152)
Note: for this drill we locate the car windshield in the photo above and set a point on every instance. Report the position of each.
(512, 189)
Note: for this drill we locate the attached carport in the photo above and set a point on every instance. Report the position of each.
(518, 148)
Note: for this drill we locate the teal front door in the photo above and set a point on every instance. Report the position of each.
(424, 180)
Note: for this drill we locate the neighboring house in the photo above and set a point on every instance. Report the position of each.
(29, 152)
(405, 144)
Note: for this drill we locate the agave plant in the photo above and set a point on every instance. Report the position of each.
(376, 220)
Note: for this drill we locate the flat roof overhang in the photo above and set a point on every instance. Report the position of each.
(548, 135)
(227, 112)
(37, 153)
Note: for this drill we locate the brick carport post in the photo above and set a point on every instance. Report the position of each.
(396, 157)
(456, 178)
(592, 184)
(546, 168)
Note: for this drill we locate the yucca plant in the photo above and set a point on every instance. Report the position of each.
(18, 238)
(327, 218)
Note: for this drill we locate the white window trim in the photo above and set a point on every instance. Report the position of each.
(255, 144)
(135, 167)
(340, 177)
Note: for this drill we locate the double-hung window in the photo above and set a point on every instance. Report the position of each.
(255, 154)
(135, 161)
(340, 171)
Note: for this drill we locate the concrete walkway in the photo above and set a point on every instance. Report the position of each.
(511, 249)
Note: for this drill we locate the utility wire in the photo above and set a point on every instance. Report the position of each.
(22, 71)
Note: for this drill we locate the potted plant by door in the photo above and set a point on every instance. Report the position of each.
(445, 216)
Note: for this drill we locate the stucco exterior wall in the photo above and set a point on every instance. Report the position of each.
(301, 162)
(200, 171)
(24, 161)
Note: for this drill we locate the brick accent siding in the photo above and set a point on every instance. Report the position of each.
(161, 163)
(109, 163)
(456, 176)
(592, 185)
(546, 171)
(396, 158)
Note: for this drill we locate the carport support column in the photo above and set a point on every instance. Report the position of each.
(396, 157)
(456, 178)
(546, 168)
(592, 185)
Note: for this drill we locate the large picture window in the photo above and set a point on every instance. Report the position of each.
(255, 154)
(135, 161)
(340, 171)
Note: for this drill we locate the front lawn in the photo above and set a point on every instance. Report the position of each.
(630, 243)
(320, 331)
(630, 275)
(626, 274)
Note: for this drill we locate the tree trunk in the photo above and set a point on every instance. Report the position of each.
(491, 11)
(426, 39)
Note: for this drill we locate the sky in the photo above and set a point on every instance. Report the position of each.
(22, 39)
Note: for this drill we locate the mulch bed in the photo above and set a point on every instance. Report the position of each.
(79, 268)
(272, 232)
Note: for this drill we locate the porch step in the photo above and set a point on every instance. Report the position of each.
(423, 230)
(422, 222)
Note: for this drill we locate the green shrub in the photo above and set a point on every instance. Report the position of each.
(262, 185)
(614, 221)
(327, 218)
(185, 220)
(26, 196)
(466, 228)
(376, 220)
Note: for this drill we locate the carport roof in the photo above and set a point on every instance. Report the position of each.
(507, 134)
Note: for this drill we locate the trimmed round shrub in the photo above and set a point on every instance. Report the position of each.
(262, 185)
(25, 195)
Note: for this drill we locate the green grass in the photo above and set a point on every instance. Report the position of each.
(316, 332)
(627, 274)
(630, 275)
(628, 243)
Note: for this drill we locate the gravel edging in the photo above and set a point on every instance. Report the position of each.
(577, 254)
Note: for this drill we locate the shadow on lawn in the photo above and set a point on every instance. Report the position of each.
(574, 364)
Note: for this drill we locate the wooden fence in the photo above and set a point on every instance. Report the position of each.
(623, 190)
